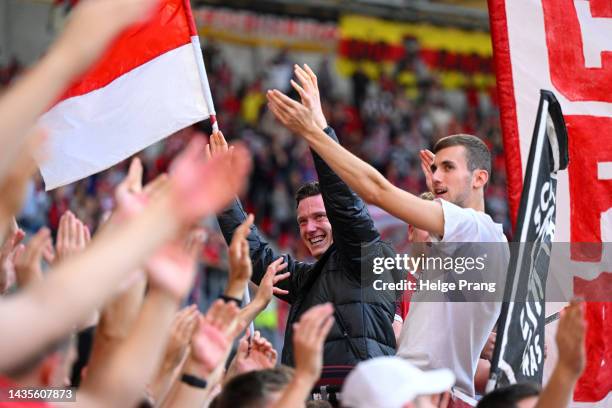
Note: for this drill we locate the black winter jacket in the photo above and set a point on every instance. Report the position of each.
(342, 276)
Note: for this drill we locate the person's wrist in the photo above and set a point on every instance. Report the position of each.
(305, 378)
(25, 278)
(235, 289)
(173, 360)
(164, 296)
(194, 367)
(259, 303)
(5, 216)
(164, 292)
(194, 381)
(175, 218)
(312, 132)
(60, 60)
(567, 373)
(322, 123)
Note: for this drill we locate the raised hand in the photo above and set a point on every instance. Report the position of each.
(217, 145)
(427, 159)
(131, 197)
(267, 286)
(262, 353)
(293, 115)
(72, 236)
(309, 93)
(13, 183)
(181, 332)
(203, 187)
(572, 358)
(28, 258)
(308, 338)
(570, 340)
(172, 268)
(253, 355)
(212, 340)
(8, 250)
(128, 194)
(309, 334)
(241, 268)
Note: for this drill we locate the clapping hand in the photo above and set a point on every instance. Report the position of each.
(8, 251)
(427, 160)
(309, 335)
(212, 340)
(254, 354)
(241, 268)
(309, 93)
(28, 258)
(72, 236)
(267, 286)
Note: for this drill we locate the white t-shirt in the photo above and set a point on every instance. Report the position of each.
(444, 334)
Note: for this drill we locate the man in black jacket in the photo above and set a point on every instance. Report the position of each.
(338, 231)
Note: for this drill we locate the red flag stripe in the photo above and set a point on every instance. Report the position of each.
(596, 380)
(193, 30)
(505, 90)
(168, 29)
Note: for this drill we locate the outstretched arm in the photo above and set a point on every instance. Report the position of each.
(210, 347)
(352, 226)
(360, 176)
(177, 349)
(91, 26)
(309, 335)
(570, 341)
(119, 379)
(86, 280)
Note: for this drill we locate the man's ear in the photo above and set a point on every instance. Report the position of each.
(479, 178)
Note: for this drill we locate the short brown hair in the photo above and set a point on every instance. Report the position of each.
(477, 154)
(252, 389)
(309, 189)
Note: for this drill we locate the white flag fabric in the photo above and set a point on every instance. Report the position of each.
(149, 84)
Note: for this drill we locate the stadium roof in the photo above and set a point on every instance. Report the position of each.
(460, 13)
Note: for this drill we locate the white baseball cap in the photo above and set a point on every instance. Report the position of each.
(391, 382)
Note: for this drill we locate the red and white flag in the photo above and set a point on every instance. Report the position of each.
(150, 83)
(565, 46)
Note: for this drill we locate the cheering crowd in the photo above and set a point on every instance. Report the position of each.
(124, 260)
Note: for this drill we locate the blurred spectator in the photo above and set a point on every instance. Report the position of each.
(256, 388)
(394, 382)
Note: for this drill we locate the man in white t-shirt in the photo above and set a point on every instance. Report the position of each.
(441, 333)
(415, 341)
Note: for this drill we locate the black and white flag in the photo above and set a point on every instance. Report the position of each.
(519, 348)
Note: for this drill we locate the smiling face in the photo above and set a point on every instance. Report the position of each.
(315, 229)
(452, 180)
